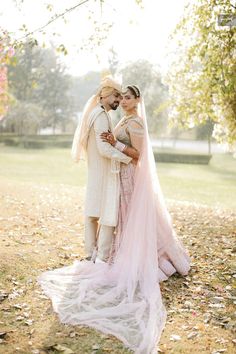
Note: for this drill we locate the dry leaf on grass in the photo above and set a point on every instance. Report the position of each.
(60, 348)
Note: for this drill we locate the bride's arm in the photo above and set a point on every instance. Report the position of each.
(135, 131)
(127, 150)
(130, 151)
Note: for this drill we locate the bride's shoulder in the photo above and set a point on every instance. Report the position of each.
(136, 126)
(136, 122)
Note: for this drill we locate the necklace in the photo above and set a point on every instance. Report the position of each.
(126, 118)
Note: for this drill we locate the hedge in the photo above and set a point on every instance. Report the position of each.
(201, 159)
(37, 141)
(65, 141)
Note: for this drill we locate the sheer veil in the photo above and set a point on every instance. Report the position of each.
(123, 299)
(81, 133)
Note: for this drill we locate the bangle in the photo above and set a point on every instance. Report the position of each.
(120, 146)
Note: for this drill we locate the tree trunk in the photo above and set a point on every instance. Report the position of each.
(209, 144)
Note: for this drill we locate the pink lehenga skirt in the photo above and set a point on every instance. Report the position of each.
(172, 256)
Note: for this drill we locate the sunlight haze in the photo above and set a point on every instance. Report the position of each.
(136, 33)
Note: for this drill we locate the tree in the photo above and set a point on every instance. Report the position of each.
(84, 87)
(38, 78)
(6, 55)
(101, 29)
(155, 92)
(53, 91)
(24, 118)
(202, 80)
(204, 131)
(113, 61)
(26, 87)
(24, 75)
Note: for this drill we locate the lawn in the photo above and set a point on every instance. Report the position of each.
(212, 185)
(41, 227)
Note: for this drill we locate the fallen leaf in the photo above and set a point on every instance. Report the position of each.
(61, 348)
(3, 296)
(29, 322)
(20, 318)
(192, 335)
(175, 337)
(95, 347)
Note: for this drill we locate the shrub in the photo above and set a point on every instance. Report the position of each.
(201, 159)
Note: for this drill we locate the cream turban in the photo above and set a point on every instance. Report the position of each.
(106, 88)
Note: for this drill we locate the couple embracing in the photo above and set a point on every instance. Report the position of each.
(128, 230)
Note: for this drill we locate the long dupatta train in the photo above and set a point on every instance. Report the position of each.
(122, 299)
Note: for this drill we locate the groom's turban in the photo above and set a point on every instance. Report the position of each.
(107, 87)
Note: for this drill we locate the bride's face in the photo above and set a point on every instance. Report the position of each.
(128, 102)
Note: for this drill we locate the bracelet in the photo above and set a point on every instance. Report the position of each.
(120, 146)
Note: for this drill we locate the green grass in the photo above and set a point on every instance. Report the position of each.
(41, 166)
(212, 185)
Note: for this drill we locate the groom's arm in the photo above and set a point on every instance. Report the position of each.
(105, 149)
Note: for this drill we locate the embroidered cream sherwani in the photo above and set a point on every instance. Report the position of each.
(102, 195)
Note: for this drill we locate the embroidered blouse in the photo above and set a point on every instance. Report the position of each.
(130, 131)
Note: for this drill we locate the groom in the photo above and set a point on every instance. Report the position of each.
(103, 160)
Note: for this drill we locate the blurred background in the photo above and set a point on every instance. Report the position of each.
(53, 55)
(182, 56)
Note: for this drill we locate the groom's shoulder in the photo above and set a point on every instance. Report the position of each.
(99, 118)
(97, 111)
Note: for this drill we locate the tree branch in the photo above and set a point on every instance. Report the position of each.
(53, 19)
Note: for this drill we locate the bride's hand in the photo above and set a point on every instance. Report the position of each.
(108, 137)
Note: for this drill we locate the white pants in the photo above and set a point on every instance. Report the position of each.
(97, 236)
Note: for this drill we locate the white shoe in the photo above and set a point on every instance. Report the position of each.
(98, 260)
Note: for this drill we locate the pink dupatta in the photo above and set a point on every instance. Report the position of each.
(122, 299)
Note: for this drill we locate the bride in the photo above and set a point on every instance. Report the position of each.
(123, 297)
(129, 136)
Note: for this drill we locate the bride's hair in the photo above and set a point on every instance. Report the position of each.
(134, 89)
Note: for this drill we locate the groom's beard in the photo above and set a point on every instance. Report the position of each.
(114, 105)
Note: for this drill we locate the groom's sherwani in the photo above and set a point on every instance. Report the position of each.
(102, 195)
